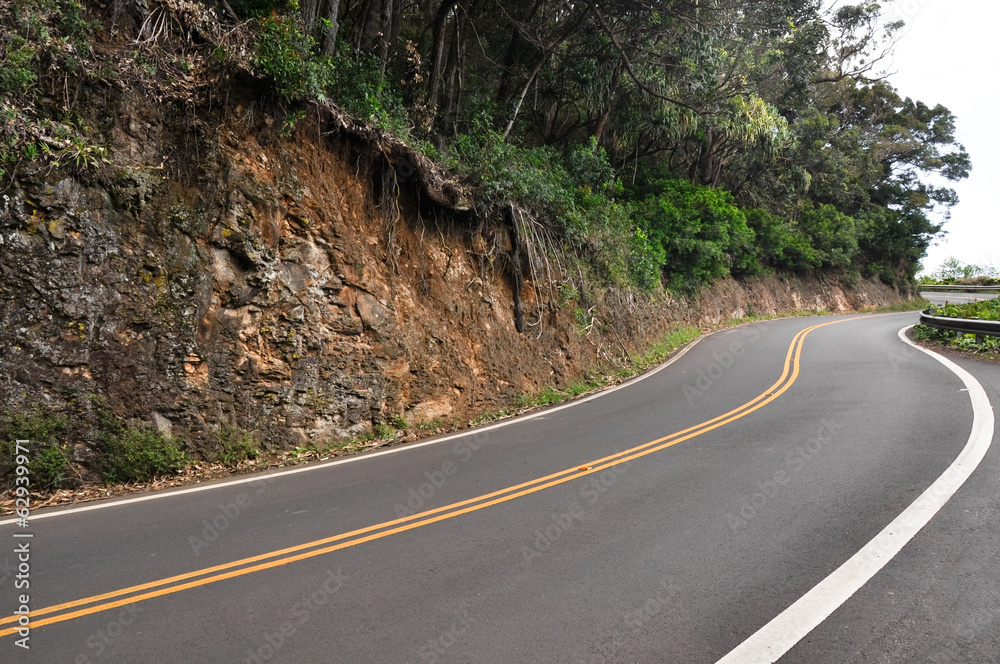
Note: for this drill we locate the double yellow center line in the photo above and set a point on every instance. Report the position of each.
(174, 584)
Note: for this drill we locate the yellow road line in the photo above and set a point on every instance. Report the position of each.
(790, 372)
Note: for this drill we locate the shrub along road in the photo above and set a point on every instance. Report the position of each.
(667, 520)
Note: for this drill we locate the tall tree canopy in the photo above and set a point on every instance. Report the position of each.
(777, 102)
(778, 110)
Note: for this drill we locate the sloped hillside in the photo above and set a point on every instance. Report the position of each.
(215, 268)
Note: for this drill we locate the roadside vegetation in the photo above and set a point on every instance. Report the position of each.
(655, 148)
(660, 147)
(986, 310)
(134, 454)
(954, 272)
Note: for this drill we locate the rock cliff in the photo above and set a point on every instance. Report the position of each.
(303, 285)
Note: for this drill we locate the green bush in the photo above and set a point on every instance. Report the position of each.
(47, 454)
(358, 86)
(703, 234)
(781, 244)
(136, 452)
(354, 82)
(533, 178)
(285, 55)
(985, 310)
(588, 166)
(236, 446)
(16, 74)
(47, 467)
(834, 235)
(645, 261)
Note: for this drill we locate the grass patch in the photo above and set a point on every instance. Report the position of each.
(664, 347)
(430, 425)
(655, 354)
(493, 415)
(576, 389)
(236, 446)
(918, 304)
(547, 396)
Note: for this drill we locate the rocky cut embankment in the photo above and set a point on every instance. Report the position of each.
(304, 285)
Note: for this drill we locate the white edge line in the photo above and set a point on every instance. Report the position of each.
(777, 637)
(268, 477)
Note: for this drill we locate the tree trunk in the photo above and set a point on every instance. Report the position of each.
(517, 278)
(512, 56)
(393, 17)
(451, 80)
(524, 93)
(309, 10)
(328, 40)
(437, 54)
(599, 130)
(366, 26)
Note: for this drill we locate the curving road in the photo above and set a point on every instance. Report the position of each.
(955, 298)
(664, 521)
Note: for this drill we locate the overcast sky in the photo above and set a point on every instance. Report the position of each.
(950, 54)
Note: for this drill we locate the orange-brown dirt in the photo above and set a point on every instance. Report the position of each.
(303, 287)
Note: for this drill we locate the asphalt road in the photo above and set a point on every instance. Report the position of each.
(518, 544)
(956, 298)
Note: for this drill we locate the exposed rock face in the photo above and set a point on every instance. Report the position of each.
(286, 286)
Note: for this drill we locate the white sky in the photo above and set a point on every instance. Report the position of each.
(950, 54)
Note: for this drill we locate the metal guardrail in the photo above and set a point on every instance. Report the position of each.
(980, 328)
(957, 288)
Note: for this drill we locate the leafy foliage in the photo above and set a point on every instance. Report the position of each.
(780, 243)
(236, 446)
(286, 55)
(545, 106)
(47, 453)
(985, 310)
(48, 42)
(136, 451)
(833, 235)
(703, 234)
